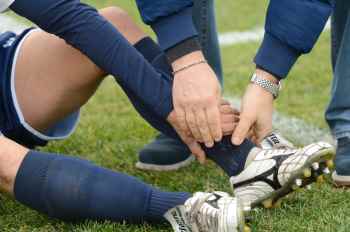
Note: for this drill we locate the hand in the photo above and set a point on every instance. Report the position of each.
(256, 112)
(196, 98)
(229, 118)
(187, 138)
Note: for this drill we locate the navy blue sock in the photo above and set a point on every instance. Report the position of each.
(229, 157)
(72, 189)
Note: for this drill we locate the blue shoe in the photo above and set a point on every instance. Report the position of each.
(164, 154)
(341, 175)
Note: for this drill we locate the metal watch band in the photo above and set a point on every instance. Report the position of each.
(269, 86)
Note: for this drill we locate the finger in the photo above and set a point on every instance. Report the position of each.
(228, 128)
(198, 152)
(250, 134)
(204, 128)
(241, 131)
(226, 109)
(228, 118)
(261, 135)
(191, 122)
(214, 122)
(181, 120)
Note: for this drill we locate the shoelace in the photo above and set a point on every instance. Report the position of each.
(203, 215)
(208, 218)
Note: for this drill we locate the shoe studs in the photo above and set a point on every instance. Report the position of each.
(267, 203)
(246, 229)
(326, 171)
(277, 204)
(298, 182)
(307, 173)
(330, 164)
(315, 166)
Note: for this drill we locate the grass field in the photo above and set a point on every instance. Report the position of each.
(111, 133)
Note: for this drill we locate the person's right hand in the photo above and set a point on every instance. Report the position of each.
(196, 98)
(229, 117)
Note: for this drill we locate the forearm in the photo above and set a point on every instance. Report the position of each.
(83, 28)
(171, 20)
(292, 29)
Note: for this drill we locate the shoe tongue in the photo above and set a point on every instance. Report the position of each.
(275, 141)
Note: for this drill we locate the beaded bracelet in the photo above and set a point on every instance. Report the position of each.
(189, 66)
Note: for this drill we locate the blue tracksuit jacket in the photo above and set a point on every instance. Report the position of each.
(292, 28)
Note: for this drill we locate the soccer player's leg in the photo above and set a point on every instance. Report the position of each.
(73, 190)
(284, 169)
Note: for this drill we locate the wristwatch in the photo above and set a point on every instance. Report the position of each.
(269, 86)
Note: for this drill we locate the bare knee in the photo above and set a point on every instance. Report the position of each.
(124, 23)
(113, 13)
(11, 157)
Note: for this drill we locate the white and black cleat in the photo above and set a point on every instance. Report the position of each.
(274, 173)
(275, 141)
(208, 212)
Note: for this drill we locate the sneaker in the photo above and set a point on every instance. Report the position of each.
(208, 212)
(341, 175)
(275, 141)
(274, 173)
(164, 154)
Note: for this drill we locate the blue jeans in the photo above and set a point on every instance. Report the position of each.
(204, 20)
(338, 112)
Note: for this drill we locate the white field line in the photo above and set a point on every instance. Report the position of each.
(254, 35)
(293, 128)
(8, 23)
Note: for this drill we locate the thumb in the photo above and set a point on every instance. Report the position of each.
(198, 152)
(241, 131)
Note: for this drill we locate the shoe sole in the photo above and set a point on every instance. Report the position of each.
(340, 181)
(306, 174)
(233, 217)
(165, 168)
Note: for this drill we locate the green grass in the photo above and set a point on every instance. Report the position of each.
(111, 133)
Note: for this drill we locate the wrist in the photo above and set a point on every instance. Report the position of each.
(267, 82)
(267, 76)
(186, 60)
(183, 48)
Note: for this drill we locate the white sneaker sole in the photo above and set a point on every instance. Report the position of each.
(306, 174)
(165, 168)
(340, 181)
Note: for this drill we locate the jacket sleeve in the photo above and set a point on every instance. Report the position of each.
(171, 20)
(83, 28)
(291, 29)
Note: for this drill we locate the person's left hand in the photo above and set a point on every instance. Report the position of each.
(256, 113)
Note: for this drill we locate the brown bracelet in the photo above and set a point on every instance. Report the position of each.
(189, 66)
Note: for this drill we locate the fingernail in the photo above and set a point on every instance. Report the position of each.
(209, 145)
(236, 141)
